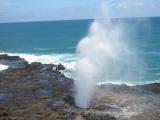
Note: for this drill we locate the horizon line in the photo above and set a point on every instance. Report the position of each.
(61, 20)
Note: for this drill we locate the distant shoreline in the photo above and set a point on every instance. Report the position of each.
(5, 66)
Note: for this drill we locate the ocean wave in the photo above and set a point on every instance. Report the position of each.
(116, 83)
(68, 60)
(45, 58)
(41, 49)
(157, 74)
(129, 83)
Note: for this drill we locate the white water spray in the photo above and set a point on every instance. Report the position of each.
(104, 56)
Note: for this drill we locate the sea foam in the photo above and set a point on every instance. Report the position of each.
(68, 60)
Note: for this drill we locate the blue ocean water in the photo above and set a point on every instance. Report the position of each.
(56, 41)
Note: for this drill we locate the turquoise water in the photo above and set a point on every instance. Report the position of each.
(55, 42)
(42, 37)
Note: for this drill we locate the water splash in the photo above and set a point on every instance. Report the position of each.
(105, 55)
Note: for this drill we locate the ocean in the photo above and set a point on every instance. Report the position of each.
(56, 41)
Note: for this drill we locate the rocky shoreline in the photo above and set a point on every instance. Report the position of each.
(39, 91)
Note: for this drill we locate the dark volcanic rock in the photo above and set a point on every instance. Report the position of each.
(37, 91)
(4, 113)
(12, 61)
(154, 87)
(97, 116)
(32, 89)
(6, 57)
(60, 67)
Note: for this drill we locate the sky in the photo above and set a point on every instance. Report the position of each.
(44, 10)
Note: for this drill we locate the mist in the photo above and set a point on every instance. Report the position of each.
(105, 55)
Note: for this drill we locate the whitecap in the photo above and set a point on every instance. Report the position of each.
(68, 60)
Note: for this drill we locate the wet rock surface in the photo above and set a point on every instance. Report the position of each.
(60, 67)
(12, 61)
(38, 91)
